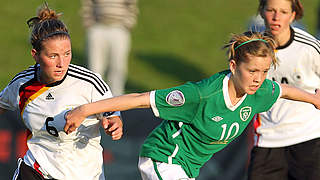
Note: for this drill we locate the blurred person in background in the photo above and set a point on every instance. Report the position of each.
(201, 118)
(287, 143)
(108, 24)
(43, 93)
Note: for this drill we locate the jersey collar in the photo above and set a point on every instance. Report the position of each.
(36, 77)
(289, 42)
(226, 94)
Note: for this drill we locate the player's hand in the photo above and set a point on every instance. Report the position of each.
(73, 118)
(113, 126)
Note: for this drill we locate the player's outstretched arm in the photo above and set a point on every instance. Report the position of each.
(292, 93)
(120, 103)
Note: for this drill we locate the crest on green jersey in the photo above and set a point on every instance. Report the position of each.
(245, 113)
(175, 98)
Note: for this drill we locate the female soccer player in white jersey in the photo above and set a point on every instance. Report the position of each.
(287, 144)
(43, 93)
(201, 118)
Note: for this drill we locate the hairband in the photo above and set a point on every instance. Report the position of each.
(250, 41)
(52, 34)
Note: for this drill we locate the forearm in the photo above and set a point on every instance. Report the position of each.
(292, 93)
(119, 103)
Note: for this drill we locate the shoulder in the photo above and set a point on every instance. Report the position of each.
(83, 74)
(267, 87)
(214, 80)
(212, 84)
(24, 75)
(307, 40)
(303, 34)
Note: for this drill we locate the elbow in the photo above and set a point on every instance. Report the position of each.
(142, 99)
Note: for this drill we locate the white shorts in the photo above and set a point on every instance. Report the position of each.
(153, 170)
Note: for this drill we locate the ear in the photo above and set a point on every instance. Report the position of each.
(34, 54)
(232, 66)
(293, 17)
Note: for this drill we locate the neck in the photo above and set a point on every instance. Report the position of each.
(41, 78)
(283, 38)
(235, 93)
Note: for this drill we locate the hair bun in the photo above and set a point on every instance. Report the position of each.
(46, 13)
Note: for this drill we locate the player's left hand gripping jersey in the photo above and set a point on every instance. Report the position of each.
(200, 120)
(60, 156)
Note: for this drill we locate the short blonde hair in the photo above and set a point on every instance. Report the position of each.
(251, 43)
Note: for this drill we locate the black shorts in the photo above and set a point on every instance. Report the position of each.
(25, 172)
(296, 162)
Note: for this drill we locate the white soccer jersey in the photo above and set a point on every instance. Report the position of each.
(291, 122)
(60, 156)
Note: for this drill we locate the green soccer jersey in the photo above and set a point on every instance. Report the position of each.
(199, 120)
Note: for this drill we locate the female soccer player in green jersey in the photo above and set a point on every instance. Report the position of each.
(201, 118)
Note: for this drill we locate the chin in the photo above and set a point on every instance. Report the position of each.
(59, 77)
(251, 92)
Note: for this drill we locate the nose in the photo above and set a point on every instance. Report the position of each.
(258, 77)
(60, 61)
(276, 15)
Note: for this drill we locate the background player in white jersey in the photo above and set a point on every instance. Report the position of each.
(201, 118)
(287, 144)
(43, 93)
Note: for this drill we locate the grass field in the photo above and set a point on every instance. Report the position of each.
(173, 42)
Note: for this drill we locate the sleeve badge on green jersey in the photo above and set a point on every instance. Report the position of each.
(175, 98)
(273, 88)
(245, 113)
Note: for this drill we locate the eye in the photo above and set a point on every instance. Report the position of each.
(52, 56)
(67, 54)
(252, 71)
(269, 10)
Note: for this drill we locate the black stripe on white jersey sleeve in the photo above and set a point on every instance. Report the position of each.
(89, 76)
(313, 42)
(28, 72)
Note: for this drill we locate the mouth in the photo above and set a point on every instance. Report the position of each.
(275, 27)
(59, 73)
(254, 87)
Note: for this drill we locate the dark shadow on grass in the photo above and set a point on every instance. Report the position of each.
(172, 64)
(165, 63)
(80, 58)
(132, 86)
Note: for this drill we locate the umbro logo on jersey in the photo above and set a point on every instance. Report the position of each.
(49, 97)
(217, 118)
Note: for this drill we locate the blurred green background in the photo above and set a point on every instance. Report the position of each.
(173, 42)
